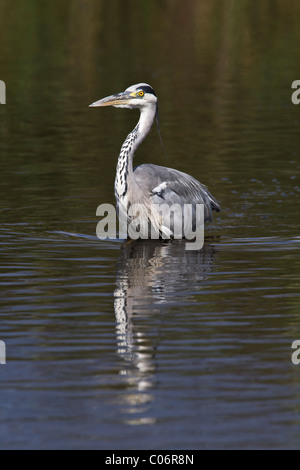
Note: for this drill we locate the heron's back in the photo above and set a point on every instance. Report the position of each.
(166, 185)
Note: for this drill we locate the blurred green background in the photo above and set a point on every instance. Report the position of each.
(222, 71)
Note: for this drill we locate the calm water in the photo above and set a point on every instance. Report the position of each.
(146, 345)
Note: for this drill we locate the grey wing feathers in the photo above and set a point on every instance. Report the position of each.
(165, 185)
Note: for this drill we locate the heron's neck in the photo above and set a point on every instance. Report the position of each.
(124, 173)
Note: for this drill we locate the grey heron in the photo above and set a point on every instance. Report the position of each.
(152, 185)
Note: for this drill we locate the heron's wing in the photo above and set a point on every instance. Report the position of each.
(165, 185)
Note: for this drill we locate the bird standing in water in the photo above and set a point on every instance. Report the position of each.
(152, 185)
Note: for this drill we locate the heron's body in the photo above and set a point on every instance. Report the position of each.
(150, 185)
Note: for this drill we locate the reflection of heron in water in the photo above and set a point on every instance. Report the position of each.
(150, 185)
(150, 274)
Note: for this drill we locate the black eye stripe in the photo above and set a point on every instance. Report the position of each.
(147, 89)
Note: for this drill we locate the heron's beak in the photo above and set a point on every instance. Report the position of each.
(120, 99)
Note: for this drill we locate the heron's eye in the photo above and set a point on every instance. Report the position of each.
(141, 93)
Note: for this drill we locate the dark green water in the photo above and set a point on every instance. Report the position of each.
(145, 345)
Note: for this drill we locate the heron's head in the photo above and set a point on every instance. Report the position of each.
(136, 96)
